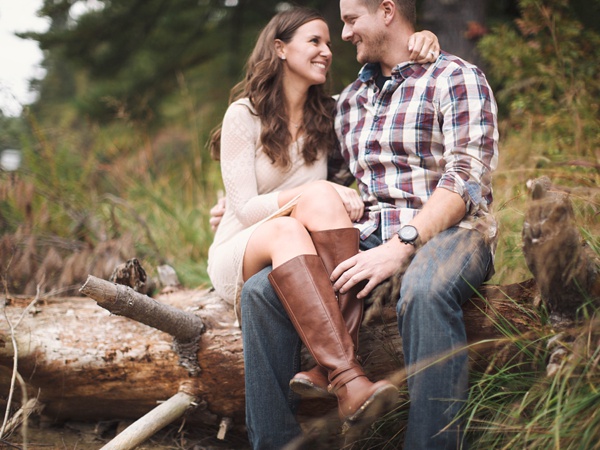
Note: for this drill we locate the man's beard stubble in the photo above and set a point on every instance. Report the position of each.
(372, 49)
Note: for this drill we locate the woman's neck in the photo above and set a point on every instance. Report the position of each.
(295, 98)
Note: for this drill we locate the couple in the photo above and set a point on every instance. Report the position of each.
(420, 138)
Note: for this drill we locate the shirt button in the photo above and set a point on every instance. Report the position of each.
(376, 118)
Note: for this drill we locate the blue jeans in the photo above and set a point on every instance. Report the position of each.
(435, 285)
(271, 358)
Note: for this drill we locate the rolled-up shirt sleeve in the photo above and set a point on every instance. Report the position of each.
(468, 115)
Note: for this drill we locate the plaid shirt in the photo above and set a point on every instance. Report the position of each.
(432, 125)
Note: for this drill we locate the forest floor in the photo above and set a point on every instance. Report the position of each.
(90, 436)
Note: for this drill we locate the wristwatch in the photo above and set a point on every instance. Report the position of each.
(408, 235)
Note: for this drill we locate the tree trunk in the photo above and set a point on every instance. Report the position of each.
(458, 25)
(87, 364)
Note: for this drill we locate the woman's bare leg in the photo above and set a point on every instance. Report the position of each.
(281, 239)
(275, 242)
(321, 208)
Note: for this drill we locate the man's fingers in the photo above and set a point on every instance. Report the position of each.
(364, 292)
(340, 275)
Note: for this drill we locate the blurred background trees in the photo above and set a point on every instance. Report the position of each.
(115, 143)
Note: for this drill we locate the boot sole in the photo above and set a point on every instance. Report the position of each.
(380, 403)
(307, 389)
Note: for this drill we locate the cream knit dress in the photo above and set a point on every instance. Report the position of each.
(252, 185)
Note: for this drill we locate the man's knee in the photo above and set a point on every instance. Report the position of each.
(257, 291)
(425, 300)
(418, 293)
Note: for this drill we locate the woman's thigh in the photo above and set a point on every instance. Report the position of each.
(275, 242)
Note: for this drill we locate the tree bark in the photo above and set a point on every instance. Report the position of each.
(458, 25)
(87, 364)
(185, 328)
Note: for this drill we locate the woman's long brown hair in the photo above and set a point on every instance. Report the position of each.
(263, 86)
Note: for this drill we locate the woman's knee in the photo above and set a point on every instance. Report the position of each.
(320, 199)
(283, 227)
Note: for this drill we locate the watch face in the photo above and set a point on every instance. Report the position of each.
(409, 233)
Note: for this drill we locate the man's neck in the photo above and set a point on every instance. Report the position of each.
(397, 52)
(381, 79)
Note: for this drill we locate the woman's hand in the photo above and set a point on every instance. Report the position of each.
(352, 201)
(424, 47)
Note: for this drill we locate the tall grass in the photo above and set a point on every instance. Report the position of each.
(518, 405)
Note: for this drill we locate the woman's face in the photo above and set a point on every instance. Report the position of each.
(307, 56)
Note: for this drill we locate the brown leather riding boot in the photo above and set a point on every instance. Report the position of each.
(303, 286)
(333, 246)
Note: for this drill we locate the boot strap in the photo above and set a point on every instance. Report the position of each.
(340, 377)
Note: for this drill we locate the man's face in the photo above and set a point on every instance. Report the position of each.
(363, 29)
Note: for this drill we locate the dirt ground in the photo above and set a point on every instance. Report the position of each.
(90, 436)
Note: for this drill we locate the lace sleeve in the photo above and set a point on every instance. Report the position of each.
(239, 142)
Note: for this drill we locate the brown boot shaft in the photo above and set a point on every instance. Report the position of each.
(305, 290)
(335, 246)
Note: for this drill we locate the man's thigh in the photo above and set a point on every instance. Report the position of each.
(456, 261)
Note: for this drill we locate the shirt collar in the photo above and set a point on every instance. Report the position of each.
(403, 70)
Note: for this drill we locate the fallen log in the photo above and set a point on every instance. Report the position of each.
(89, 365)
(86, 364)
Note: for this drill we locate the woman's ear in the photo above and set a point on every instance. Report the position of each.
(279, 49)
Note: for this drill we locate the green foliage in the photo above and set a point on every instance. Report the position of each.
(130, 54)
(11, 131)
(545, 73)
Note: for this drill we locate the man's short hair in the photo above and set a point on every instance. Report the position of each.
(407, 8)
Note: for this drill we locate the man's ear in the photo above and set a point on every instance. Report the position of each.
(279, 46)
(388, 9)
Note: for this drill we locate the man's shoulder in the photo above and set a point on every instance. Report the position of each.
(448, 64)
(367, 72)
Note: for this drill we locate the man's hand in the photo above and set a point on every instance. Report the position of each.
(374, 265)
(424, 47)
(352, 201)
(216, 214)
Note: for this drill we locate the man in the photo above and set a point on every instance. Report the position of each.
(421, 141)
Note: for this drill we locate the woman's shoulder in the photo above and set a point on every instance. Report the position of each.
(242, 106)
(242, 110)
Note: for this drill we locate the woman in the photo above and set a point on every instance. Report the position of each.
(274, 143)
